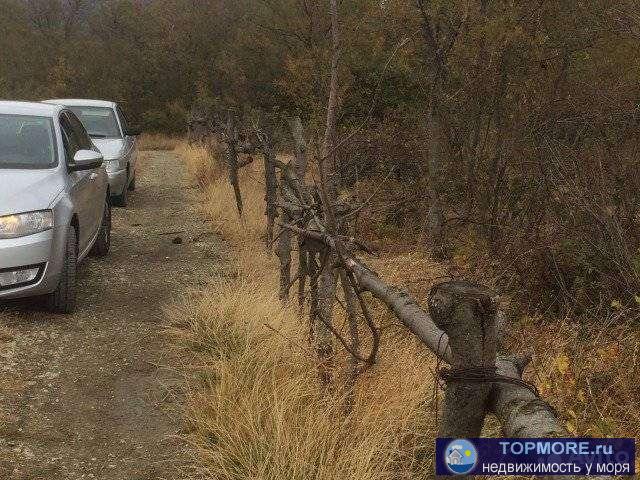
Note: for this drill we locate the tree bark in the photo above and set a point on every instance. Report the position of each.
(522, 413)
(300, 170)
(326, 300)
(466, 312)
(303, 273)
(328, 161)
(321, 336)
(434, 222)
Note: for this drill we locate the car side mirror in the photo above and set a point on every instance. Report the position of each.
(133, 132)
(85, 160)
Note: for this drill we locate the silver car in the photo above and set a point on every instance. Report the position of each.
(54, 202)
(116, 139)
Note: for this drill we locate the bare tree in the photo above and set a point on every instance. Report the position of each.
(327, 277)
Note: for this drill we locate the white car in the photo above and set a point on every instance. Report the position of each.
(54, 203)
(108, 128)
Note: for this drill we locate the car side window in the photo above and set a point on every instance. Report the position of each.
(69, 141)
(123, 120)
(82, 138)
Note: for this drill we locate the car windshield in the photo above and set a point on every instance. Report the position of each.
(27, 142)
(99, 122)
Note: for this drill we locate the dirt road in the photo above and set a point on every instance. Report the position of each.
(91, 396)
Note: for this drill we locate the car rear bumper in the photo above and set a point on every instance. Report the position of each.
(117, 182)
(42, 250)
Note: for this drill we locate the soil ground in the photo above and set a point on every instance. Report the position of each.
(94, 395)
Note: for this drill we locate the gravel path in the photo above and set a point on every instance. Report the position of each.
(91, 396)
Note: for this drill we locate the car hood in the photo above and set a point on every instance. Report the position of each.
(109, 147)
(28, 190)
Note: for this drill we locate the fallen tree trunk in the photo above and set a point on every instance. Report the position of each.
(520, 410)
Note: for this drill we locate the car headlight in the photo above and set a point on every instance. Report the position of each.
(114, 164)
(23, 224)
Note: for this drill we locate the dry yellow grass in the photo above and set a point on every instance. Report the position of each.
(254, 405)
(157, 141)
(203, 167)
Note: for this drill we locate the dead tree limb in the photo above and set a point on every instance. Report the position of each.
(328, 157)
(231, 138)
(515, 402)
(351, 307)
(521, 411)
(404, 307)
(303, 274)
(323, 321)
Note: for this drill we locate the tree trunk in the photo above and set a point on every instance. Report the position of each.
(328, 194)
(434, 222)
(303, 273)
(300, 169)
(466, 312)
(321, 336)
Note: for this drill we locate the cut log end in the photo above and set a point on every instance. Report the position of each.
(445, 298)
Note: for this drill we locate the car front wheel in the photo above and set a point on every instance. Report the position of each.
(63, 298)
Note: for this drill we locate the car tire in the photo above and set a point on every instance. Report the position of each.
(103, 241)
(123, 199)
(132, 185)
(63, 298)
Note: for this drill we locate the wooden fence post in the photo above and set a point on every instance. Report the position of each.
(271, 184)
(232, 158)
(466, 313)
(283, 248)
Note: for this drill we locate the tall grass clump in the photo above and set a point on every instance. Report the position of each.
(157, 141)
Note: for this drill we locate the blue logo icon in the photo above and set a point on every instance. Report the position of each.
(460, 456)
